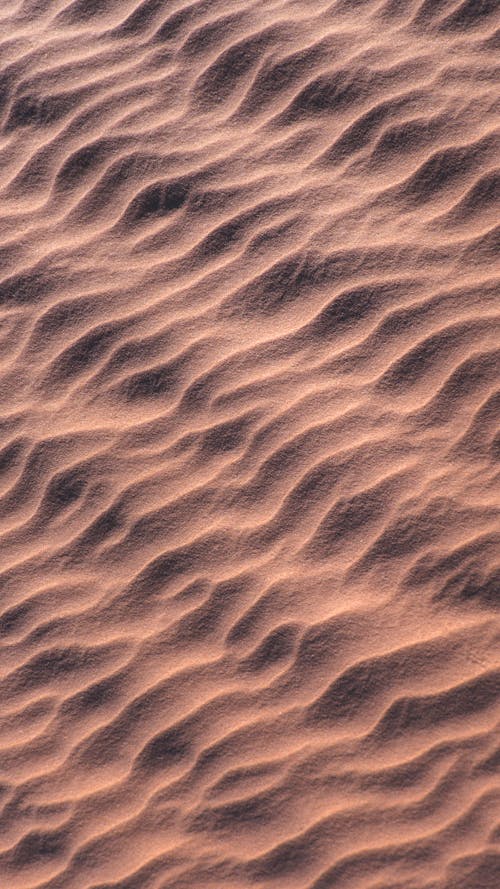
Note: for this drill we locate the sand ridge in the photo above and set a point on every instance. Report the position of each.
(249, 508)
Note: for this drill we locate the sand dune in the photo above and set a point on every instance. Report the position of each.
(249, 368)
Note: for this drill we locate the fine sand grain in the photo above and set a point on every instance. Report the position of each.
(249, 497)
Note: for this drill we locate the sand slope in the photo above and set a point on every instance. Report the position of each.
(249, 369)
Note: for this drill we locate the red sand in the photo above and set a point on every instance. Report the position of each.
(249, 524)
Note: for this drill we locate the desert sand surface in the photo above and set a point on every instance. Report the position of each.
(249, 499)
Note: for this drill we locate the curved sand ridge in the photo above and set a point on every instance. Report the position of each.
(249, 521)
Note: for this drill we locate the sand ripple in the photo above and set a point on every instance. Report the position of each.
(249, 373)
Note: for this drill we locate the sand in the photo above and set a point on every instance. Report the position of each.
(249, 507)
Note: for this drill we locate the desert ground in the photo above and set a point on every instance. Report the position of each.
(249, 404)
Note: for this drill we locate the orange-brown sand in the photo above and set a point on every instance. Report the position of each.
(249, 504)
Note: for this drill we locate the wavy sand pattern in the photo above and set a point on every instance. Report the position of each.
(249, 520)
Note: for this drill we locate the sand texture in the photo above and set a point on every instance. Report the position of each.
(249, 403)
